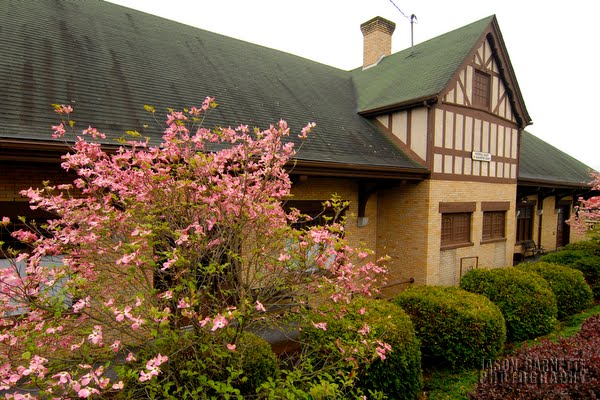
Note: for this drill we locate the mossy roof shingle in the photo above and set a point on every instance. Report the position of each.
(108, 61)
(419, 72)
(542, 163)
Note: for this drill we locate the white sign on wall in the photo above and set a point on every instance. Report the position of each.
(480, 156)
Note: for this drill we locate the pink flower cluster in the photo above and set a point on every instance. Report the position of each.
(152, 367)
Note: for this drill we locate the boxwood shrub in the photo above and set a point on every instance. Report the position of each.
(590, 246)
(201, 366)
(399, 376)
(525, 299)
(572, 292)
(454, 325)
(583, 258)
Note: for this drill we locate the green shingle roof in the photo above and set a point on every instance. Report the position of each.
(108, 61)
(542, 163)
(417, 73)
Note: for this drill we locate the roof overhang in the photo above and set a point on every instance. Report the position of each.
(51, 152)
(530, 182)
(412, 103)
(313, 168)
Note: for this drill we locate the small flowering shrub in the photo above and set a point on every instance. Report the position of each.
(572, 293)
(149, 242)
(372, 339)
(579, 257)
(454, 326)
(565, 369)
(525, 299)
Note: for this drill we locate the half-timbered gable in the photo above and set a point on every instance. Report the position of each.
(476, 132)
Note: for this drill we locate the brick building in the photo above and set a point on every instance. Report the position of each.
(428, 143)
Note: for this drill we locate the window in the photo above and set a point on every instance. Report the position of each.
(494, 223)
(481, 89)
(456, 229)
(524, 222)
(456, 223)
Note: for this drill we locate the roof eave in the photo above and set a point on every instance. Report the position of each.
(412, 103)
(306, 167)
(553, 184)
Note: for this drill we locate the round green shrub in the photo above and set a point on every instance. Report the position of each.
(454, 325)
(257, 361)
(572, 292)
(589, 246)
(582, 258)
(201, 366)
(399, 375)
(525, 299)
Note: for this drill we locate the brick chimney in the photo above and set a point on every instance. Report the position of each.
(377, 41)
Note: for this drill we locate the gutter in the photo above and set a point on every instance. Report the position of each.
(418, 102)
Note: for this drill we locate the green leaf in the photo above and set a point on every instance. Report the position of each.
(26, 355)
(133, 133)
(71, 123)
(149, 108)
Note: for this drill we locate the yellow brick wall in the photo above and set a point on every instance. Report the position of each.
(403, 224)
(410, 227)
(490, 255)
(317, 188)
(549, 221)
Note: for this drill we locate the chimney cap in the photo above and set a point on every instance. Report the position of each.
(379, 24)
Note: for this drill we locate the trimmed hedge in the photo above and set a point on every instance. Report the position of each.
(590, 246)
(454, 325)
(525, 299)
(399, 376)
(572, 292)
(583, 258)
(201, 366)
(565, 369)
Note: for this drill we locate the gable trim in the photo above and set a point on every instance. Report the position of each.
(505, 71)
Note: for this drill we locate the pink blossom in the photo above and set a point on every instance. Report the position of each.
(306, 130)
(284, 257)
(231, 346)
(59, 131)
(382, 349)
(96, 336)
(116, 345)
(183, 303)
(260, 307)
(62, 109)
(320, 325)
(84, 392)
(219, 322)
(365, 329)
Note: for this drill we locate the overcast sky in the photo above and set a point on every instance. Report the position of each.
(552, 45)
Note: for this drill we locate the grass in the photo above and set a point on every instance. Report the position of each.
(443, 384)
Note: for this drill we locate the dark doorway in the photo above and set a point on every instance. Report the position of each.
(562, 228)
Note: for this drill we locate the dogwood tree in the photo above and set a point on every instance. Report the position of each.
(587, 215)
(151, 241)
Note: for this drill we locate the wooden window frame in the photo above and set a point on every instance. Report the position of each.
(525, 221)
(494, 226)
(482, 89)
(456, 230)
